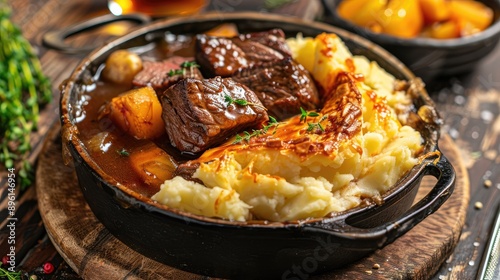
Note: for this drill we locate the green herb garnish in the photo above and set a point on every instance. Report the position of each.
(9, 274)
(173, 72)
(317, 125)
(242, 102)
(247, 135)
(304, 114)
(123, 152)
(182, 70)
(189, 64)
(23, 90)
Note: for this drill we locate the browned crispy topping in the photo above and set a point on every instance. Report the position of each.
(343, 121)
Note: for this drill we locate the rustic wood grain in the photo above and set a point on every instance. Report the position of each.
(470, 107)
(94, 253)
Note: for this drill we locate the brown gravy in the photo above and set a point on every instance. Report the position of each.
(106, 143)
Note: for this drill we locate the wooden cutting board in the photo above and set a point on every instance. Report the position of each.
(95, 254)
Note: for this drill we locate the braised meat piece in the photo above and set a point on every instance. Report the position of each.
(283, 87)
(162, 74)
(274, 38)
(199, 114)
(221, 56)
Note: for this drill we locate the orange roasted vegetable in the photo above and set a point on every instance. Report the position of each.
(395, 17)
(402, 18)
(350, 8)
(472, 16)
(137, 112)
(224, 30)
(445, 30)
(435, 10)
(439, 19)
(152, 164)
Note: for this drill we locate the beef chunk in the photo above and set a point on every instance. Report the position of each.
(197, 115)
(221, 56)
(274, 38)
(162, 74)
(283, 87)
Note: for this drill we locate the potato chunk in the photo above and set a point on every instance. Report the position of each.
(137, 112)
(121, 67)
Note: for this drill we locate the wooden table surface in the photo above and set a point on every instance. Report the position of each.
(470, 105)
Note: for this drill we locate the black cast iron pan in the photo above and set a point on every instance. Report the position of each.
(256, 249)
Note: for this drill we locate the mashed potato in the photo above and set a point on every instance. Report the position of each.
(296, 172)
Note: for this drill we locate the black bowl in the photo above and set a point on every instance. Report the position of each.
(429, 58)
(256, 250)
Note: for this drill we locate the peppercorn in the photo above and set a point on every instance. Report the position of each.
(48, 268)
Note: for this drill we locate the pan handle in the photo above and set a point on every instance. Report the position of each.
(55, 39)
(385, 234)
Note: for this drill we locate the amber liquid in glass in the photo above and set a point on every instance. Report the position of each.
(156, 8)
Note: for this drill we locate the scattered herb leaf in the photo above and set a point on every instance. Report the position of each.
(304, 114)
(189, 64)
(317, 125)
(247, 135)
(242, 102)
(173, 72)
(123, 152)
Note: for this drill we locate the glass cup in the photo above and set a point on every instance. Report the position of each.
(156, 8)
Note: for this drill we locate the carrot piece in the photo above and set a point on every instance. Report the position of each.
(152, 164)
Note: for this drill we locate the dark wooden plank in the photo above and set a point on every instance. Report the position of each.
(472, 116)
(42, 253)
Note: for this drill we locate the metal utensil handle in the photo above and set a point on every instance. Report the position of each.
(55, 39)
(385, 234)
(490, 264)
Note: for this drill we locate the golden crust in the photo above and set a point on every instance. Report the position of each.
(341, 119)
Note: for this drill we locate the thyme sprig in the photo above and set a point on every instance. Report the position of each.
(304, 114)
(9, 274)
(317, 125)
(311, 126)
(247, 135)
(242, 102)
